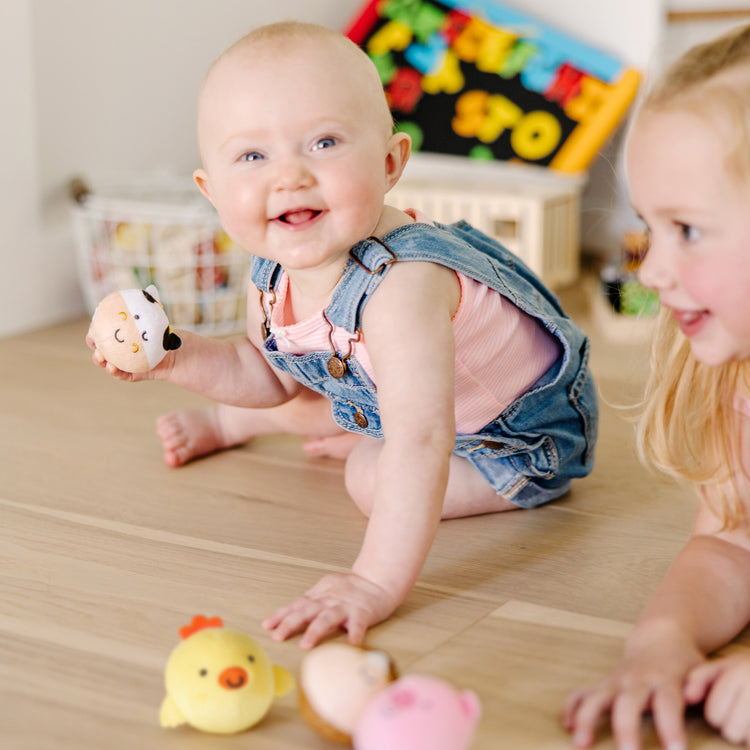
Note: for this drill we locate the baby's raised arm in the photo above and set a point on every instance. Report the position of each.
(230, 371)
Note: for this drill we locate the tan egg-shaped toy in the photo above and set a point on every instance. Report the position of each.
(132, 331)
(336, 681)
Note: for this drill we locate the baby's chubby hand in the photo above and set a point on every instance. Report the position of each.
(339, 600)
(99, 360)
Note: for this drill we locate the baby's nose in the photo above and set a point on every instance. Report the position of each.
(293, 175)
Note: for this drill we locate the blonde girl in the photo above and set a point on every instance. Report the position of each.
(688, 163)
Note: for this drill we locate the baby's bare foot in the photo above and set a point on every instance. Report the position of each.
(337, 446)
(189, 434)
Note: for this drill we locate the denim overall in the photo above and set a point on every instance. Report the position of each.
(531, 451)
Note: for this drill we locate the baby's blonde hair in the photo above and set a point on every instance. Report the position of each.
(689, 427)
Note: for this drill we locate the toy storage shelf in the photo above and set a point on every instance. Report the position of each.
(532, 211)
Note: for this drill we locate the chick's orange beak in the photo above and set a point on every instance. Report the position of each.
(233, 678)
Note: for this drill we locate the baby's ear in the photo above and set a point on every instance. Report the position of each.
(201, 180)
(399, 149)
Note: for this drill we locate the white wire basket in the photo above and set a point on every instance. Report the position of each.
(166, 234)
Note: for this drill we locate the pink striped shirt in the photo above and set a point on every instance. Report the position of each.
(500, 350)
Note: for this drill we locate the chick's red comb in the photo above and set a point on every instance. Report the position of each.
(200, 623)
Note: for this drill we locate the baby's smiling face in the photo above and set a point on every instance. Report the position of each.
(295, 138)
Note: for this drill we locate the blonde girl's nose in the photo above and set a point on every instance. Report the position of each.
(656, 270)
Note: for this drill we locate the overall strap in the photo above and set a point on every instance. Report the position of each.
(369, 261)
(367, 265)
(371, 258)
(265, 274)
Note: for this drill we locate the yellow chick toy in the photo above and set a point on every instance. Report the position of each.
(219, 680)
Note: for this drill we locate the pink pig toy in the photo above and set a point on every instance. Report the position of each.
(418, 713)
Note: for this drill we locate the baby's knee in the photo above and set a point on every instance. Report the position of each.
(359, 490)
(359, 477)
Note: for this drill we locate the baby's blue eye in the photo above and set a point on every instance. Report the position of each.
(251, 156)
(324, 143)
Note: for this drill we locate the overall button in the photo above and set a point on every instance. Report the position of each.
(336, 367)
(360, 420)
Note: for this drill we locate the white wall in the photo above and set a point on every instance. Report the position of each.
(106, 88)
(22, 276)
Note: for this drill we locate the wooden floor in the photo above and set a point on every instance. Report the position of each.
(105, 552)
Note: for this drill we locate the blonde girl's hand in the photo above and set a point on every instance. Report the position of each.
(345, 601)
(724, 685)
(650, 679)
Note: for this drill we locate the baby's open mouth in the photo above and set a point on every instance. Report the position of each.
(298, 216)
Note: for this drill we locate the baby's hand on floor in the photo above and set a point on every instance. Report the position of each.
(337, 601)
(724, 684)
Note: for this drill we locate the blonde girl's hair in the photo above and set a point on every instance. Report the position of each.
(688, 426)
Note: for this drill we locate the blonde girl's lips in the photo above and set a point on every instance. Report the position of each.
(690, 322)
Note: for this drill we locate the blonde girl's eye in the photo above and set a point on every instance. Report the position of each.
(323, 143)
(251, 156)
(689, 233)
